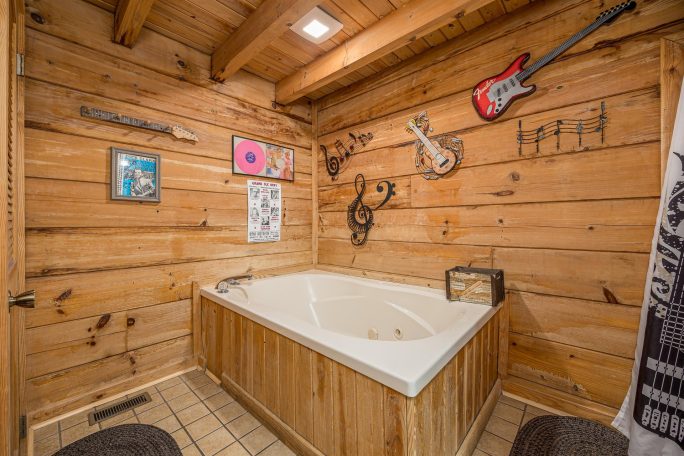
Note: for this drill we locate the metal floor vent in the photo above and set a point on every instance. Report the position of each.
(117, 409)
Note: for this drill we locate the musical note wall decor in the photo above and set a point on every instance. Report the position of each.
(336, 163)
(558, 127)
(359, 215)
(435, 156)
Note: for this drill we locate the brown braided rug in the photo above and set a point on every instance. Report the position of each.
(552, 435)
(124, 440)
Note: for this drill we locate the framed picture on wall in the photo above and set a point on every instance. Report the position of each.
(257, 158)
(135, 175)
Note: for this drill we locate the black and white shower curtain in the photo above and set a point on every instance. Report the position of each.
(652, 415)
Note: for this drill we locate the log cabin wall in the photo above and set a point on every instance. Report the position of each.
(113, 279)
(571, 226)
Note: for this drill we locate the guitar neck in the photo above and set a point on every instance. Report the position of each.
(426, 142)
(123, 119)
(567, 44)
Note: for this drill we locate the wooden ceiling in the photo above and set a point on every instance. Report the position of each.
(206, 24)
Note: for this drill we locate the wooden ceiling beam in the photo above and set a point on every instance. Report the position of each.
(129, 19)
(408, 23)
(267, 23)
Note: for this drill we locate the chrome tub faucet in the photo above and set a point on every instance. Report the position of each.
(233, 281)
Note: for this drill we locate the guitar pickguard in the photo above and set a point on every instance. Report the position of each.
(493, 96)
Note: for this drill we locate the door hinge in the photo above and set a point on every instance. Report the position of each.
(22, 427)
(20, 64)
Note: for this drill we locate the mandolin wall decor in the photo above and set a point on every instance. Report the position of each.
(436, 156)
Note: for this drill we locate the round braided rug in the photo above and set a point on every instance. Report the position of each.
(124, 440)
(568, 436)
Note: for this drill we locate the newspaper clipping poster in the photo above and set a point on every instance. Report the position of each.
(263, 211)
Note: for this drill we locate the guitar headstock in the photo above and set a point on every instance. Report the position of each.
(181, 133)
(611, 14)
(421, 121)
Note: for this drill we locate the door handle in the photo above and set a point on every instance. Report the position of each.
(27, 299)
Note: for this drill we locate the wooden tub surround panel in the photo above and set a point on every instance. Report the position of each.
(321, 407)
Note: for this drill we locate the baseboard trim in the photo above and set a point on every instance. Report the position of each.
(538, 405)
(475, 432)
(556, 401)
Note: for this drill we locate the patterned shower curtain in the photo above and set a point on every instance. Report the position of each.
(652, 415)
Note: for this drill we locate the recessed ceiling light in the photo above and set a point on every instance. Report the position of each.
(317, 26)
(315, 29)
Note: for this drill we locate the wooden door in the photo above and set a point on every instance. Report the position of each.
(11, 225)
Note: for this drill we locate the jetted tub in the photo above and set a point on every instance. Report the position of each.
(399, 335)
(341, 365)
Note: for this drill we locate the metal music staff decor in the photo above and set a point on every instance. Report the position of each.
(360, 216)
(577, 126)
(336, 164)
(436, 156)
(175, 130)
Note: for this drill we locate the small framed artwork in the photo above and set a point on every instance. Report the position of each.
(257, 158)
(135, 175)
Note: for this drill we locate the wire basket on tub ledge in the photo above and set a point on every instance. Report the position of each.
(475, 285)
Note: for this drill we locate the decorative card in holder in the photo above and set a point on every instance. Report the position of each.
(476, 285)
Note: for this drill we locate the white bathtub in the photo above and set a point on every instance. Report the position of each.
(333, 315)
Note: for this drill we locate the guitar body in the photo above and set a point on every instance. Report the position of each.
(445, 166)
(442, 159)
(493, 96)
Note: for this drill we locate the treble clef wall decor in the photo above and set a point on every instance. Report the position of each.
(359, 215)
(336, 164)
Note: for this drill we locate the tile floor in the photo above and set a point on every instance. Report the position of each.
(508, 417)
(204, 420)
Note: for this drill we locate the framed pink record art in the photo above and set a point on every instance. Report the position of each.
(257, 158)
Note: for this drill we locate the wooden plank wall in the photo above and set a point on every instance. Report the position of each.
(571, 226)
(320, 406)
(113, 279)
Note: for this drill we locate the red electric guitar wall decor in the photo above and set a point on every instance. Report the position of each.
(492, 96)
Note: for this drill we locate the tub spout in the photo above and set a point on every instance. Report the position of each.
(233, 281)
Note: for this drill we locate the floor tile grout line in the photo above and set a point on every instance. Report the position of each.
(268, 446)
(509, 421)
